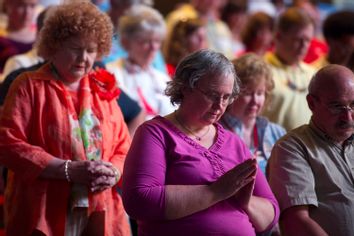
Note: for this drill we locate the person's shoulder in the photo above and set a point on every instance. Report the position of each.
(158, 122)
(38, 73)
(160, 75)
(28, 73)
(273, 127)
(16, 58)
(271, 59)
(296, 136)
(223, 28)
(24, 60)
(276, 126)
(115, 65)
(320, 62)
(18, 82)
(307, 68)
(158, 127)
(289, 147)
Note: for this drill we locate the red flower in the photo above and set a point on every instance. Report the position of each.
(104, 84)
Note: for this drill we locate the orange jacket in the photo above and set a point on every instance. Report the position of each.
(34, 129)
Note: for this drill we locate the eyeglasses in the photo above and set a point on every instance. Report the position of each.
(216, 98)
(337, 109)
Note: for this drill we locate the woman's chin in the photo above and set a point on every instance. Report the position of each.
(251, 115)
(78, 74)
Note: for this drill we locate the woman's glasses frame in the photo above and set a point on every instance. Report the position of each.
(226, 99)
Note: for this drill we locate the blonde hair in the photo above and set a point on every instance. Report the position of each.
(250, 68)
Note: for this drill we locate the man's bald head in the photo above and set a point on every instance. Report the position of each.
(332, 77)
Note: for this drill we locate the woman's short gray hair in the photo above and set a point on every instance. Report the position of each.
(141, 19)
(200, 65)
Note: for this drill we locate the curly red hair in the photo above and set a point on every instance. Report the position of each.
(75, 19)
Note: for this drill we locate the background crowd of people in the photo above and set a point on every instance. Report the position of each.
(219, 117)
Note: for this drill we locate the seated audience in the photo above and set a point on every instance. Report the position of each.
(142, 30)
(311, 168)
(338, 30)
(187, 36)
(293, 32)
(185, 173)
(62, 134)
(242, 116)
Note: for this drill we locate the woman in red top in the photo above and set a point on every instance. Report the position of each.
(62, 135)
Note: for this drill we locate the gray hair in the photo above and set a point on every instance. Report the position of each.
(196, 66)
(141, 19)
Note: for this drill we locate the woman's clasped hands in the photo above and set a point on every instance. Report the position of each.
(97, 175)
(237, 183)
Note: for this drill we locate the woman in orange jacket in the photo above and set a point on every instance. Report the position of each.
(62, 134)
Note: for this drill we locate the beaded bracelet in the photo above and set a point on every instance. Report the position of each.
(67, 171)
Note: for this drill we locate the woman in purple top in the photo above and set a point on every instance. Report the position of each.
(184, 173)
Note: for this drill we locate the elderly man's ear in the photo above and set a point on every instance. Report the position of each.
(310, 102)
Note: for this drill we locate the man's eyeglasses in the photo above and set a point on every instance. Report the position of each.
(337, 109)
(216, 98)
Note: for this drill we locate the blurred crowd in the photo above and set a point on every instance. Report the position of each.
(275, 48)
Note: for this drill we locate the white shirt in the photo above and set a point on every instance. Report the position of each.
(24, 60)
(147, 87)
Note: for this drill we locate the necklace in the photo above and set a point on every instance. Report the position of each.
(291, 74)
(199, 138)
(294, 87)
